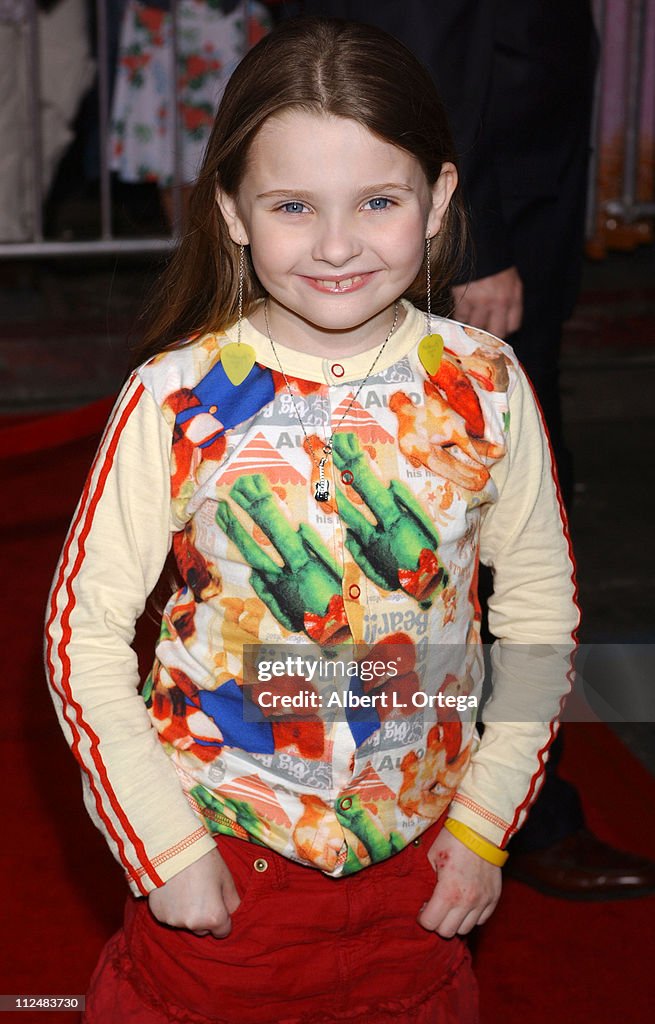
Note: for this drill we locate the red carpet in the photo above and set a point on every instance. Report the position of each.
(539, 960)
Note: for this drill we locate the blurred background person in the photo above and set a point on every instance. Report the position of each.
(212, 37)
(66, 71)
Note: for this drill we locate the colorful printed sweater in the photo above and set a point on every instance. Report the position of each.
(429, 476)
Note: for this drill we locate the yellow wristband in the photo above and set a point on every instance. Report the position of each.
(481, 846)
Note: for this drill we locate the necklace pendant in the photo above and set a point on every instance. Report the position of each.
(322, 490)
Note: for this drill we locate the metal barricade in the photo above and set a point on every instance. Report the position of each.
(625, 205)
(107, 242)
(628, 207)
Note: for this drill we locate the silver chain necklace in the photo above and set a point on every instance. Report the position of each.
(322, 489)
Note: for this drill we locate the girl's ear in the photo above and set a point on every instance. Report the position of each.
(442, 191)
(228, 207)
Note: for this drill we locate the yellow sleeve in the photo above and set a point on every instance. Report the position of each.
(533, 612)
(111, 560)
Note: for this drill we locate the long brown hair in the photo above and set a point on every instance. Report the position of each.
(320, 65)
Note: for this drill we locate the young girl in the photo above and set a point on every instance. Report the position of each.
(329, 463)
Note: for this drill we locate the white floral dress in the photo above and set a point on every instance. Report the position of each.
(210, 45)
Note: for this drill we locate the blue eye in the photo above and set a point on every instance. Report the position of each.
(293, 207)
(379, 203)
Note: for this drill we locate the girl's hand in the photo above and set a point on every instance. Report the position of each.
(200, 898)
(467, 889)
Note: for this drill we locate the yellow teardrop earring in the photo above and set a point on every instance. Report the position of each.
(238, 358)
(430, 349)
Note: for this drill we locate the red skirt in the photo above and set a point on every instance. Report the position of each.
(304, 949)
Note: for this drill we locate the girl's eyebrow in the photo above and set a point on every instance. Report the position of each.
(387, 186)
(288, 193)
(284, 193)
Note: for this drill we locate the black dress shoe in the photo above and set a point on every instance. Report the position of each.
(581, 867)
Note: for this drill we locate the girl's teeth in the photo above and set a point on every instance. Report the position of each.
(337, 286)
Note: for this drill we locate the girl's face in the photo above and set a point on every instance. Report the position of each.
(336, 219)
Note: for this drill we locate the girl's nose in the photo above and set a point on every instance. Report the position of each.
(336, 242)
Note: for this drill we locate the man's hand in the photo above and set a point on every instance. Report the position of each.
(493, 303)
(467, 889)
(200, 898)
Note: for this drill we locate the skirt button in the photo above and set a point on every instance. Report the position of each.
(261, 864)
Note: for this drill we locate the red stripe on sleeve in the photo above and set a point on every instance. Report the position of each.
(567, 536)
(88, 505)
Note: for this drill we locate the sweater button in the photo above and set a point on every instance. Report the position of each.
(354, 591)
(347, 476)
(261, 864)
(337, 370)
(213, 409)
(346, 803)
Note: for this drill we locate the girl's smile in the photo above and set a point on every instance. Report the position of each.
(336, 219)
(339, 285)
